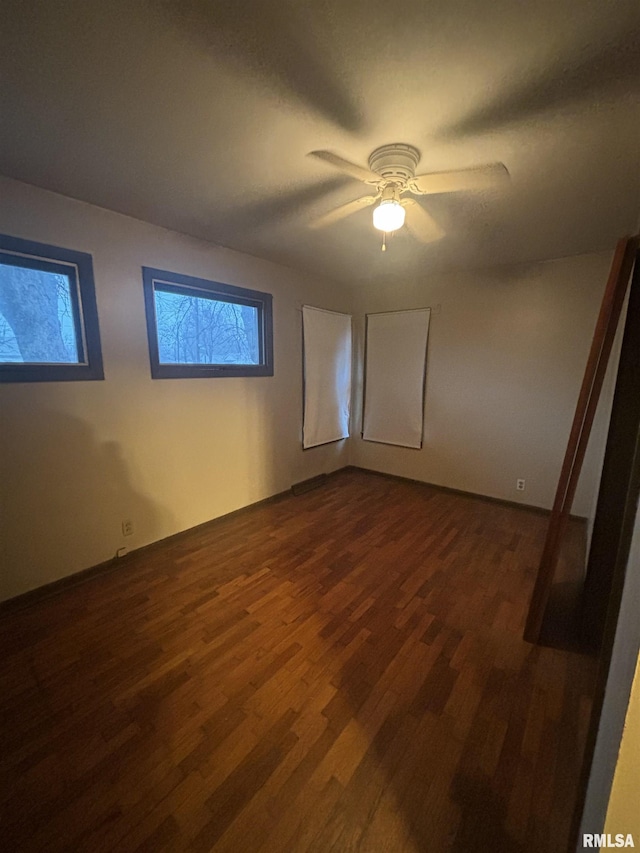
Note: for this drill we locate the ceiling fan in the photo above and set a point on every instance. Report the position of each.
(392, 174)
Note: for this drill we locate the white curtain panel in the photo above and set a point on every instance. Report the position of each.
(327, 376)
(395, 371)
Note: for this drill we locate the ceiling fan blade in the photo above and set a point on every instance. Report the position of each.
(477, 178)
(341, 212)
(420, 223)
(346, 166)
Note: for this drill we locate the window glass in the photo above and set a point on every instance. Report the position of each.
(37, 323)
(199, 328)
(48, 316)
(193, 330)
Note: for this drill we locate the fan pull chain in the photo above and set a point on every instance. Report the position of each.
(384, 239)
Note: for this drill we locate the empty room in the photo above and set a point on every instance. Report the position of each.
(320, 420)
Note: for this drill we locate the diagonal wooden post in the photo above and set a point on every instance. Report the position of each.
(587, 404)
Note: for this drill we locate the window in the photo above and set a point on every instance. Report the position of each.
(203, 328)
(326, 338)
(395, 375)
(48, 315)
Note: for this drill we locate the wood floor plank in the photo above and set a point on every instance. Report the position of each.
(337, 672)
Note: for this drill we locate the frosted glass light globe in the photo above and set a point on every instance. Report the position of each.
(388, 216)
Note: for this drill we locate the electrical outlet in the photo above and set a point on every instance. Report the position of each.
(127, 527)
(520, 485)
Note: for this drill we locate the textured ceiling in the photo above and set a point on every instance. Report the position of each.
(198, 115)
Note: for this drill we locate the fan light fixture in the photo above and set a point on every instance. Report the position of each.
(392, 180)
(388, 215)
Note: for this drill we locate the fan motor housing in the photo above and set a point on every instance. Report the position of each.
(396, 162)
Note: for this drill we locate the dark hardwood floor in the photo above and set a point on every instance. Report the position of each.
(338, 671)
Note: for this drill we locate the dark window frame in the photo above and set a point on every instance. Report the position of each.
(203, 288)
(78, 266)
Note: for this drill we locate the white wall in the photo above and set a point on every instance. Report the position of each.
(507, 352)
(79, 457)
